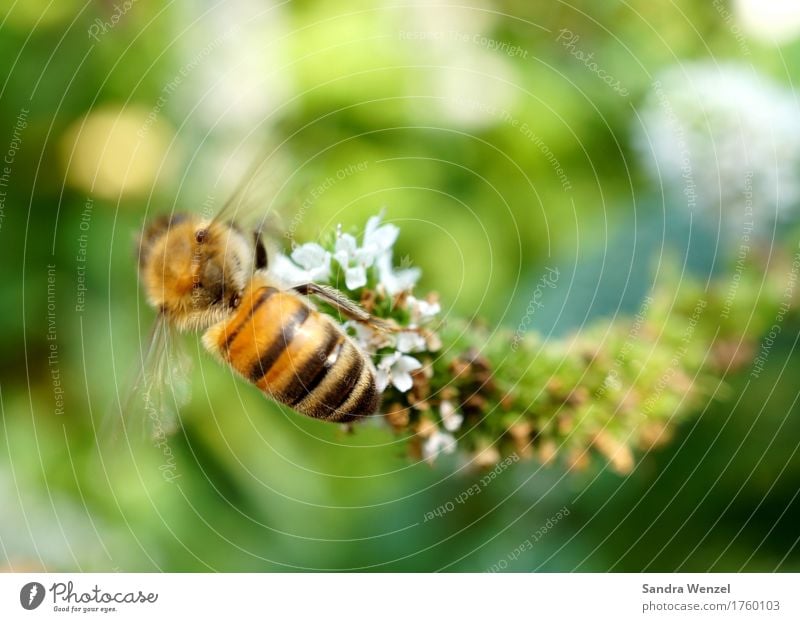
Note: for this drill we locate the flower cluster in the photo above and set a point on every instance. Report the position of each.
(461, 385)
(313, 262)
(365, 271)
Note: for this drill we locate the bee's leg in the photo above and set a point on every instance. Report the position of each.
(343, 304)
(261, 251)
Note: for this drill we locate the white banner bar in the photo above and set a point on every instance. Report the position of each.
(400, 597)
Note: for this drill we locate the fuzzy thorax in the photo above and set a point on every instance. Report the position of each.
(194, 271)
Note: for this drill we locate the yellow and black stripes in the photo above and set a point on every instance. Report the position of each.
(346, 389)
(281, 344)
(254, 303)
(315, 368)
(297, 356)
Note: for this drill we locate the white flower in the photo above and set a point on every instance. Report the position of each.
(367, 338)
(411, 341)
(438, 442)
(378, 239)
(451, 419)
(371, 340)
(355, 277)
(315, 259)
(309, 262)
(363, 333)
(345, 253)
(354, 260)
(345, 249)
(395, 282)
(396, 368)
(422, 311)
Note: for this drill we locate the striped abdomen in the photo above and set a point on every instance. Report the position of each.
(297, 356)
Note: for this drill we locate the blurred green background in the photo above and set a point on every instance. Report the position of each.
(496, 149)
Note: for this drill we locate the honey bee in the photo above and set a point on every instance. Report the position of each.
(212, 276)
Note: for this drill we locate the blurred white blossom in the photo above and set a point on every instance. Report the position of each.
(468, 73)
(422, 311)
(725, 138)
(771, 21)
(438, 442)
(231, 55)
(451, 418)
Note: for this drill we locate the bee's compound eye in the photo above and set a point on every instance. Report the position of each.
(201, 235)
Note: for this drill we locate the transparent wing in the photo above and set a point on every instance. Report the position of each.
(255, 202)
(160, 387)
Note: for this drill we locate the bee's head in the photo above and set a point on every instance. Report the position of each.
(194, 270)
